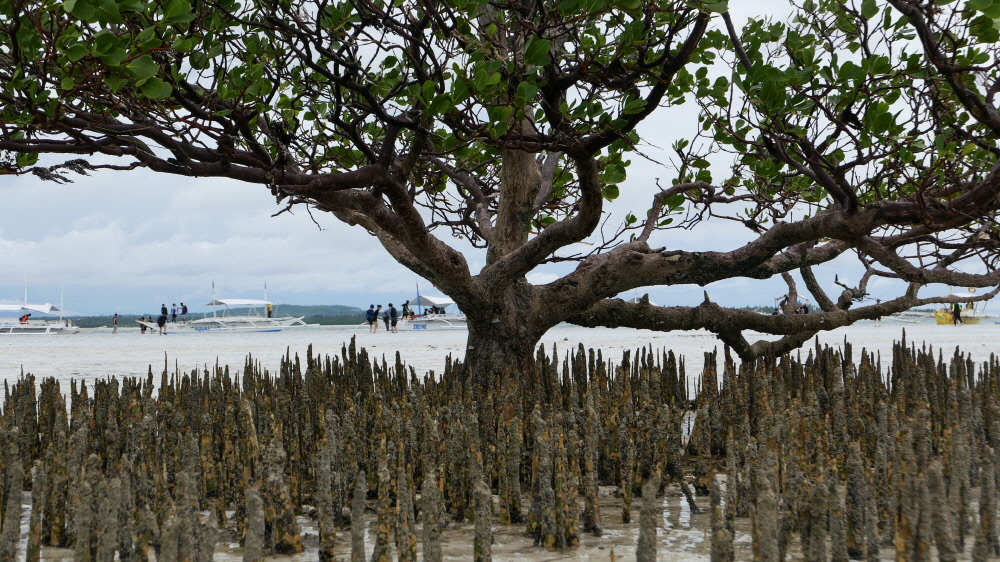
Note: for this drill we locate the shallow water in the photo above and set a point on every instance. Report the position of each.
(98, 353)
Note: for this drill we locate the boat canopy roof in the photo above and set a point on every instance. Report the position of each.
(46, 308)
(431, 301)
(238, 302)
(638, 300)
(964, 295)
(801, 299)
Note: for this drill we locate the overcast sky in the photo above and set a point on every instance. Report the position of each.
(128, 241)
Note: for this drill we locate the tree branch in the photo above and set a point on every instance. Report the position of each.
(730, 323)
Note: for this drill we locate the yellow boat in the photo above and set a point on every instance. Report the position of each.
(942, 316)
(971, 313)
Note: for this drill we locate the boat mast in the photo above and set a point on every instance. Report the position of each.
(62, 291)
(214, 306)
(420, 308)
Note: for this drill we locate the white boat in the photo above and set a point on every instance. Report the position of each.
(228, 321)
(436, 318)
(911, 316)
(440, 321)
(23, 323)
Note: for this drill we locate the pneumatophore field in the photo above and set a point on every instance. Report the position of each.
(821, 456)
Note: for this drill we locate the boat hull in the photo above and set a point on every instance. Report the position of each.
(434, 322)
(229, 325)
(943, 317)
(15, 327)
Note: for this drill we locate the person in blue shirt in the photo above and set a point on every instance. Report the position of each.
(372, 317)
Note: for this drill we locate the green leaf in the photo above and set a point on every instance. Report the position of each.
(610, 192)
(176, 10)
(526, 92)
(185, 45)
(26, 159)
(868, 9)
(427, 90)
(77, 52)
(81, 9)
(105, 42)
(567, 7)
(145, 35)
(500, 114)
(440, 105)
(537, 52)
(772, 92)
(460, 91)
(981, 4)
(109, 13)
(67, 83)
(630, 6)
(635, 105)
(199, 60)
(116, 83)
(125, 6)
(156, 89)
(143, 67)
(614, 175)
(717, 7)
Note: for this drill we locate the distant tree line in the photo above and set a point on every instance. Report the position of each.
(325, 315)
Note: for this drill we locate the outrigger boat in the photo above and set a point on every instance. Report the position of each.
(251, 321)
(23, 323)
(972, 312)
(437, 318)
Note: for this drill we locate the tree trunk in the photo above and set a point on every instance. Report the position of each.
(495, 347)
(503, 332)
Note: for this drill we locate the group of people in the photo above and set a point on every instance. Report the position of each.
(161, 320)
(390, 316)
(802, 309)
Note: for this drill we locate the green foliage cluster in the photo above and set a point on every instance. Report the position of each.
(232, 67)
(847, 87)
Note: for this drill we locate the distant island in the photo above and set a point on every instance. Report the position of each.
(323, 314)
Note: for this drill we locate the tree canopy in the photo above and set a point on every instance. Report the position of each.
(853, 128)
